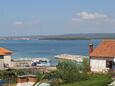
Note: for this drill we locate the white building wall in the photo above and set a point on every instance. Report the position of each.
(98, 65)
(7, 60)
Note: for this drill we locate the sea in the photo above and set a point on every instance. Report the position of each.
(47, 48)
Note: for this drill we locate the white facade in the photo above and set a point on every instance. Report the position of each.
(7, 60)
(98, 65)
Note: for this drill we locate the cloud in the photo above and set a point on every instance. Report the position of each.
(25, 23)
(86, 15)
(96, 18)
(18, 23)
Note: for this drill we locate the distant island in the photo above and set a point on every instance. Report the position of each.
(83, 36)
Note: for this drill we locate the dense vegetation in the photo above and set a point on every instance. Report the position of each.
(66, 38)
(74, 74)
(98, 80)
(68, 73)
(71, 72)
(10, 75)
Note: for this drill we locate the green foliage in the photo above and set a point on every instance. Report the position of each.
(9, 76)
(40, 75)
(70, 72)
(86, 65)
(94, 80)
(20, 72)
(52, 75)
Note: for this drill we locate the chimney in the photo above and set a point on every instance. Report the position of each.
(90, 48)
(22, 79)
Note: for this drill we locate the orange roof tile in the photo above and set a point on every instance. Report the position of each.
(105, 49)
(4, 51)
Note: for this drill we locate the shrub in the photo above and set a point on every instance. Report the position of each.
(94, 80)
(70, 71)
(40, 75)
(86, 65)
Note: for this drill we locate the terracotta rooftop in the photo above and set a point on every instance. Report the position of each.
(4, 51)
(105, 49)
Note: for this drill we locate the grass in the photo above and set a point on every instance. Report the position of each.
(98, 80)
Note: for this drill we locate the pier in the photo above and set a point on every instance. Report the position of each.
(77, 58)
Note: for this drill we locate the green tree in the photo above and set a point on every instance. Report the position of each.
(70, 71)
(86, 65)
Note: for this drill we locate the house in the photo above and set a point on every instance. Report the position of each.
(5, 57)
(102, 58)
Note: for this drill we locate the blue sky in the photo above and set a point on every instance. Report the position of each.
(50, 17)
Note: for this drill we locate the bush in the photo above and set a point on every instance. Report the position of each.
(9, 76)
(94, 80)
(70, 72)
(40, 75)
(86, 65)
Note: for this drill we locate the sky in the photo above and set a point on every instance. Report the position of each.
(53, 17)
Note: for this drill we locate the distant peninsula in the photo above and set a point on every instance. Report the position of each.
(82, 36)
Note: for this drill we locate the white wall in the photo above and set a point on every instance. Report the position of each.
(7, 60)
(98, 65)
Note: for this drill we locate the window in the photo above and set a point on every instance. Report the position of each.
(1, 57)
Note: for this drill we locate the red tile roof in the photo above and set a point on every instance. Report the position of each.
(105, 49)
(4, 51)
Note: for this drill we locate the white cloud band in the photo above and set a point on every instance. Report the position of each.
(86, 15)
